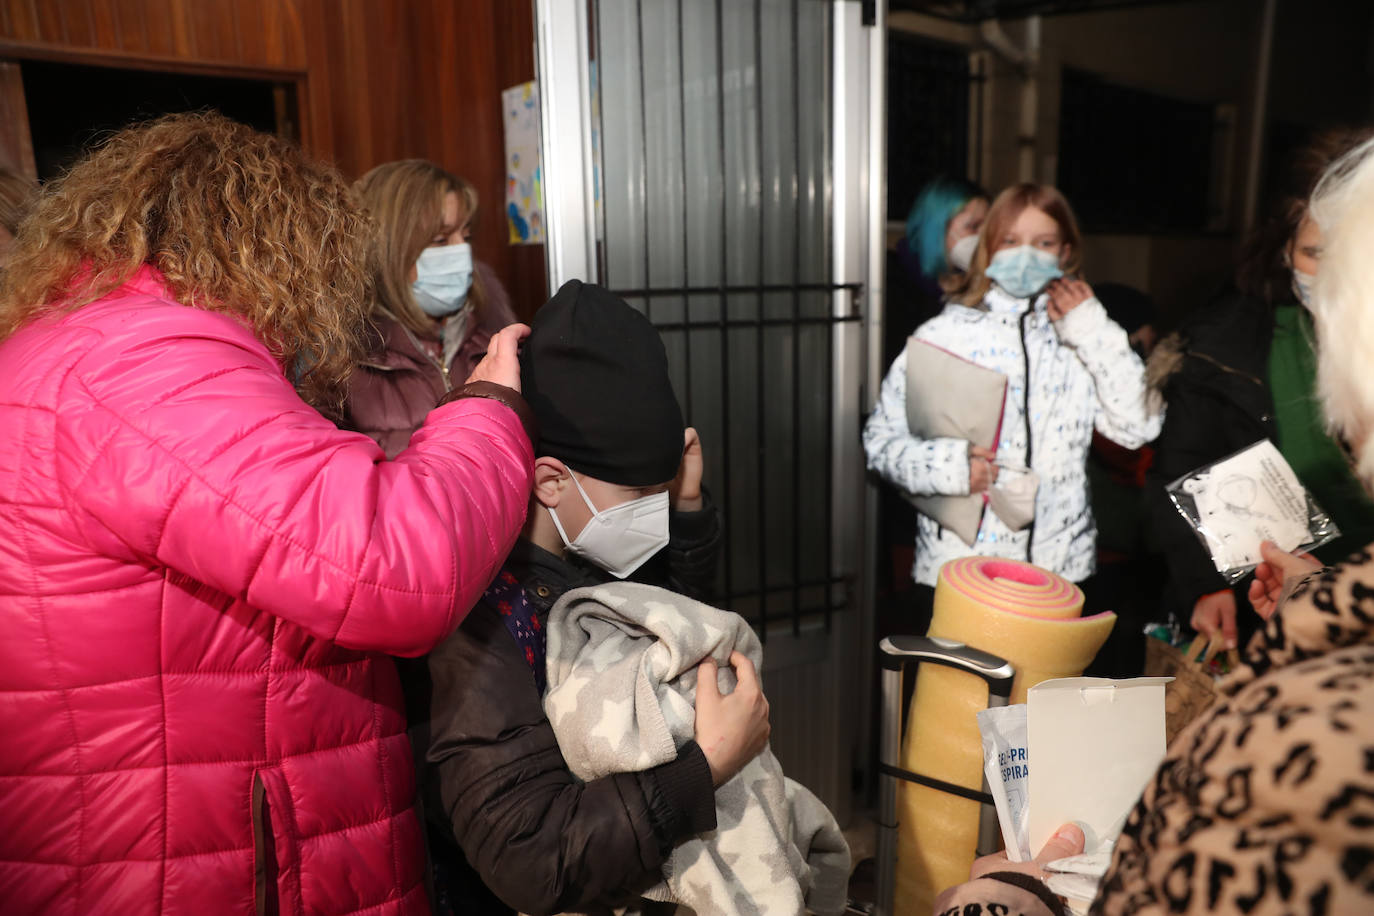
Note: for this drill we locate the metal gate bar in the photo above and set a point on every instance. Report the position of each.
(783, 591)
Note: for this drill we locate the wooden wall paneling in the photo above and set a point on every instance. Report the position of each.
(318, 126)
(105, 25)
(456, 52)
(348, 97)
(277, 26)
(183, 34)
(21, 19)
(131, 26)
(78, 29)
(16, 143)
(51, 23)
(514, 34)
(158, 25)
(251, 31)
(372, 80)
(215, 31)
(395, 98)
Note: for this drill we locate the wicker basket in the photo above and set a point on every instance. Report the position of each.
(1194, 686)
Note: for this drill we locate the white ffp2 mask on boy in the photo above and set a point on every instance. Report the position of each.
(623, 537)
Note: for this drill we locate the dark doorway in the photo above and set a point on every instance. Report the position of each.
(73, 106)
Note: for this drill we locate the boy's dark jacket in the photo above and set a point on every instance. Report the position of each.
(541, 840)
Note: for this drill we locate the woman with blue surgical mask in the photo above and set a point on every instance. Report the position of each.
(1022, 311)
(434, 307)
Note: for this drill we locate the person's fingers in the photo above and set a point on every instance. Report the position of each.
(507, 340)
(745, 673)
(977, 451)
(1272, 554)
(706, 681)
(690, 439)
(1068, 841)
(1204, 618)
(1228, 624)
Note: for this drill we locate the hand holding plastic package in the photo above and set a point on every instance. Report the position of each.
(1243, 499)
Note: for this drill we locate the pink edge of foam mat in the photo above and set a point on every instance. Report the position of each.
(1010, 571)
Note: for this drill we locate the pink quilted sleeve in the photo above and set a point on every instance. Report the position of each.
(187, 447)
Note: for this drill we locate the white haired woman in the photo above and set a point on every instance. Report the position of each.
(1263, 804)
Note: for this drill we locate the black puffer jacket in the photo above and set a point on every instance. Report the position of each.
(1214, 376)
(541, 840)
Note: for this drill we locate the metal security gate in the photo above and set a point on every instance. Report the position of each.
(722, 190)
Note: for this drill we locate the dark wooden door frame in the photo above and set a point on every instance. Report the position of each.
(16, 141)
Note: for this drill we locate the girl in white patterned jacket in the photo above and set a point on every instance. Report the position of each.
(1021, 311)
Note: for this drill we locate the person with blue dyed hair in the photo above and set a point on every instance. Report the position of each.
(941, 233)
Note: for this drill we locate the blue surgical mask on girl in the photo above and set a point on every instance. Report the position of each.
(443, 276)
(1302, 287)
(1024, 270)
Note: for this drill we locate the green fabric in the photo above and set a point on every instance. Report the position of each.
(1314, 456)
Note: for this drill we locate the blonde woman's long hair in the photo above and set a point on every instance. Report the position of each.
(1343, 303)
(970, 288)
(406, 200)
(236, 221)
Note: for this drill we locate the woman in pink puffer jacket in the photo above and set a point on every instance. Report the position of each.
(199, 572)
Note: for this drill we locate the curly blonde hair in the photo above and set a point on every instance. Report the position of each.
(406, 200)
(236, 221)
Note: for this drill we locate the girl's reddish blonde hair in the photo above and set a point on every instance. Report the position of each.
(970, 288)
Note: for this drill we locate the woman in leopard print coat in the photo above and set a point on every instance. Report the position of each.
(1265, 804)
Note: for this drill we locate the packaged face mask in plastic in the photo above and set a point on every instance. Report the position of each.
(1078, 878)
(1013, 496)
(1243, 499)
(1007, 769)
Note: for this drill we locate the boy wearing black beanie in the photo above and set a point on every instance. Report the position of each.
(617, 478)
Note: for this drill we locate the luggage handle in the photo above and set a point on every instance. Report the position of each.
(895, 652)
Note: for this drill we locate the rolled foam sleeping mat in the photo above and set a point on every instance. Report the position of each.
(1028, 616)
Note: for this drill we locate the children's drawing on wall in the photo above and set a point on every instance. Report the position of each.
(524, 176)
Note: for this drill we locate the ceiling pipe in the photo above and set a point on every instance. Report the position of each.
(1259, 115)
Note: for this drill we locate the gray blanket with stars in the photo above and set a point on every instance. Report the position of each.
(622, 672)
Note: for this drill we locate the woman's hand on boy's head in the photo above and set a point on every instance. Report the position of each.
(501, 364)
(684, 492)
(733, 729)
(1067, 294)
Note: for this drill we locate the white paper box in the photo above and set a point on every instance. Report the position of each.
(1095, 743)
